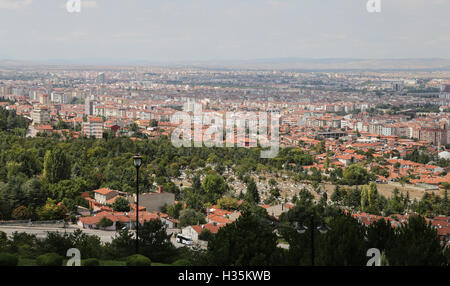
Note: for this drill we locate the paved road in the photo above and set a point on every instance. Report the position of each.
(41, 232)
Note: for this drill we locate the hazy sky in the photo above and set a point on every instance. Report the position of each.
(178, 30)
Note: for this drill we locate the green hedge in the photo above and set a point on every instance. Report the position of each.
(49, 259)
(182, 262)
(138, 260)
(91, 262)
(8, 259)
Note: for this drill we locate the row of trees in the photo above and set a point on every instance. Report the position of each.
(367, 199)
(11, 122)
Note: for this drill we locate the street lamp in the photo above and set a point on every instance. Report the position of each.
(137, 161)
(300, 228)
(323, 229)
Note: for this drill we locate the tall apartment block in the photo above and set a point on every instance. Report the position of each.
(44, 99)
(93, 127)
(40, 115)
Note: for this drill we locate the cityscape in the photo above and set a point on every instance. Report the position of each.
(281, 161)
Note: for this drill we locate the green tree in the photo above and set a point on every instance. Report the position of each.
(105, 222)
(191, 217)
(337, 195)
(206, 235)
(381, 235)
(174, 210)
(214, 186)
(355, 175)
(228, 203)
(245, 242)
(122, 245)
(252, 194)
(416, 244)
(121, 204)
(154, 242)
(343, 244)
(52, 211)
(56, 166)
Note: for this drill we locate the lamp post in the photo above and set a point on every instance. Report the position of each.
(323, 229)
(137, 161)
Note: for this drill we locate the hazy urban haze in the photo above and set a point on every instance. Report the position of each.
(197, 30)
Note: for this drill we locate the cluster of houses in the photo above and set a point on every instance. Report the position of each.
(385, 153)
(151, 203)
(441, 223)
(149, 208)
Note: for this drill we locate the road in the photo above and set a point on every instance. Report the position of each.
(41, 232)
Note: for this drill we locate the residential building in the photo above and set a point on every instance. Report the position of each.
(93, 127)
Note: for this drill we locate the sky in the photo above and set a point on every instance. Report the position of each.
(210, 30)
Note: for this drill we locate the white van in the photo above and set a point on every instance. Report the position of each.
(184, 239)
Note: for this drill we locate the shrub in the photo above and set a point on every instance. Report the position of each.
(27, 251)
(206, 235)
(91, 262)
(49, 259)
(8, 260)
(182, 262)
(105, 222)
(3, 241)
(138, 260)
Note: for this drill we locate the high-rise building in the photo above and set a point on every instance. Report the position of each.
(100, 78)
(40, 115)
(89, 104)
(44, 99)
(93, 127)
(445, 92)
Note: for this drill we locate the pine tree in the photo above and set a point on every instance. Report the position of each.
(364, 198)
(407, 199)
(445, 203)
(337, 195)
(252, 194)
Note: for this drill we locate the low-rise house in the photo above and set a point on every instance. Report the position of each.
(277, 210)
(193, 231)
(83, 211)
(103, 195)
(126, 219)
(442, 224)
(170, 222)
(92, 222)
(154, 201)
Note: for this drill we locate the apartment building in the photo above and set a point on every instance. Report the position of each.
(40, 115)
(44, 99)
(93, 127)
